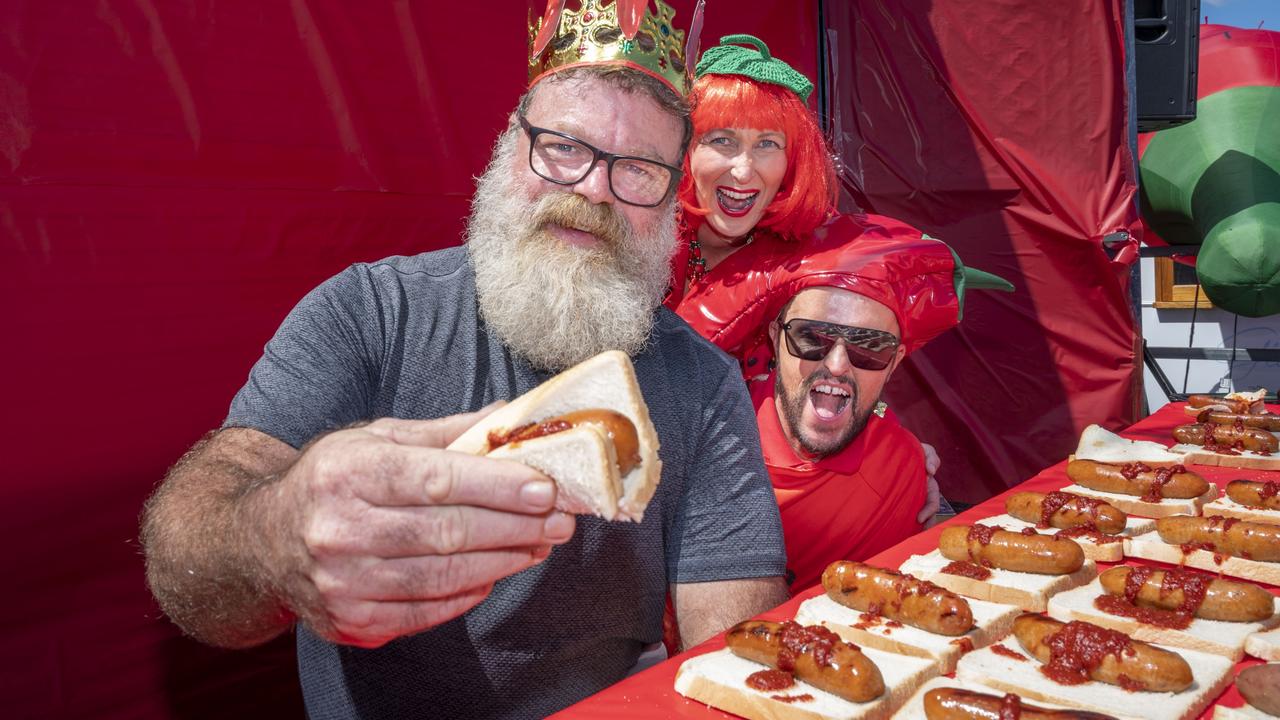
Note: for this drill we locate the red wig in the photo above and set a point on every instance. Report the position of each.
(807, 195)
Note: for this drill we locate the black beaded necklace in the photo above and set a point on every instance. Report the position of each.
(698, 264)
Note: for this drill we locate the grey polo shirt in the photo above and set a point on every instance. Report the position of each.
(403, 338)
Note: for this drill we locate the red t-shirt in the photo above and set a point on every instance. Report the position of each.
(847, 506)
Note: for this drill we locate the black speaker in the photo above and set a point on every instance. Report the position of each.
(1166, 35)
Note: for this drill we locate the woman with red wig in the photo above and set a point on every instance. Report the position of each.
(758, 182)
(759, 170)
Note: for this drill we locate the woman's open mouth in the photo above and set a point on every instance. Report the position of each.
(736, 203)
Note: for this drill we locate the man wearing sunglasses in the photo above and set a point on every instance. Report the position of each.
(819, 336)
(422, 582)
(849, 482)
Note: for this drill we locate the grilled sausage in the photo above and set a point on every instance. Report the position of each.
(1065, 510)
(992, 547)
(1229, 536)
(1212, 435)
(1264, 421)
(1203, 595)
(1237, 405)
(1260, 687)
(1076, 651)
(897, 596)
(813, 654)
(1255, 494)
(1140, 479)
(616, 426)
(957, 704)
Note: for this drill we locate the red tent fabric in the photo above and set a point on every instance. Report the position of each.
(174, 176)
(1001, 128)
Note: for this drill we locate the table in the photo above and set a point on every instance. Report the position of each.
(651, 694)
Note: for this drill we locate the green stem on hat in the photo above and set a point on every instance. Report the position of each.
(744, 39)
(967, 278)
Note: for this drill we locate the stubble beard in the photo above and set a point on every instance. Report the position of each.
(552, 304)
(793, 415)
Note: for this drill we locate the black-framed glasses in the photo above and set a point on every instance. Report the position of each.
(867, 349)
(566, 160)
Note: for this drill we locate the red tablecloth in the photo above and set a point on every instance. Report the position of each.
(651, 694)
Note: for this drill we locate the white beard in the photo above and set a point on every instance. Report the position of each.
(553, 304)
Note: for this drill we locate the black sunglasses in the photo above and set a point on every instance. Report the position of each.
(867, 349)
(566, 160)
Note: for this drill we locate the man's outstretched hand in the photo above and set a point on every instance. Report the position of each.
(382, 533)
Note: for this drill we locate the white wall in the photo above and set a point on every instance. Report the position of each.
(1213, 329)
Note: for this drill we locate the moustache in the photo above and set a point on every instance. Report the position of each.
(571, 210)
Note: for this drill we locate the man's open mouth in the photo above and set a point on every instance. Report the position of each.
(829, 401)
(736, 203)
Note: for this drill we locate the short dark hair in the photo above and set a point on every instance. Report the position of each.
(628, 80)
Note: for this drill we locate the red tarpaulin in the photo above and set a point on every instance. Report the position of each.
(1002, 129)
(174, 176)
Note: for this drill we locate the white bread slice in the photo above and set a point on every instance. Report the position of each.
(719, 680)
(1105, 446)
(1246, 460)
(1265, 645)
(1027, 591)
(1094, 550)
(1244, 712)
(1211, 674)
(991, 621)
(1211, 636)
(1226, 507)
(913, 709)
(1151, 547)
(1131, 505)
(606, 381)
(579, 459)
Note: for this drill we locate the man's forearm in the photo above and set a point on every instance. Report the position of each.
(704, 609)
(203, 561)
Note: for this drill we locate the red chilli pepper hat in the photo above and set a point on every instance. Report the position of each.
(621, 32)
(920, 279)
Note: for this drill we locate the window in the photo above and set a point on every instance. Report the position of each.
(1176, 287)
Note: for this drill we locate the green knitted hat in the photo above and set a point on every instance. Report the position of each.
(729, 59)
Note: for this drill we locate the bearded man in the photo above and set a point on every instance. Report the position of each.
(849, 482)
(424, 582)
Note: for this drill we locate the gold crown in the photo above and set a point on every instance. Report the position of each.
(594, 33)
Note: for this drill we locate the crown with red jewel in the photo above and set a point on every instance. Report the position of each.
(617, 32)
